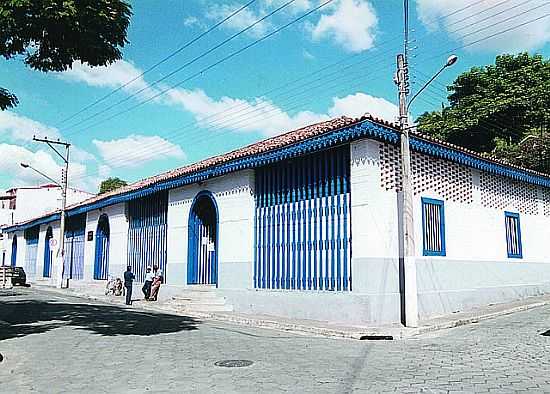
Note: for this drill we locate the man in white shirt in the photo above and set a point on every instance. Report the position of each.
(148, 282)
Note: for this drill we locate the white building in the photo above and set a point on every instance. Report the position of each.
(306, 225)
(24, 203)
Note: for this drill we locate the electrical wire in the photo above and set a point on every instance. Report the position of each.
(163, 60)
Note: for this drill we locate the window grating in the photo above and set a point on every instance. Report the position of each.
(513, 235)
(433, 227)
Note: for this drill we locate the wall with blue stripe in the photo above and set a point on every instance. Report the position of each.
(21, 245)
(118, 240)
(234, 197)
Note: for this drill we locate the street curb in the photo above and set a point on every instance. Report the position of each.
(355, 333)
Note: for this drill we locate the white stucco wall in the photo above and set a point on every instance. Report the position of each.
(118, 240)
(475, 271)
(235, 201)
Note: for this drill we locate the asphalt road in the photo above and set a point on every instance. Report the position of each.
(61, 344)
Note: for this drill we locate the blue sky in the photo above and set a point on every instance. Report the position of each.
(252, 95)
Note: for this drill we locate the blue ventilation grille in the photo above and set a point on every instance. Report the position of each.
(303, 223)
(147, 233)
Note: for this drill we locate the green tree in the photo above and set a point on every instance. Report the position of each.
(111, 184)
(51, 34)
(501, 109)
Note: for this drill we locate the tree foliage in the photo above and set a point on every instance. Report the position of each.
(502, 109)
(111, 184)
(51, 34)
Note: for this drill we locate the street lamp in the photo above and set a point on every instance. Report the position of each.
(25, 165)
(408, 265)
(450, 61)
(63, 187)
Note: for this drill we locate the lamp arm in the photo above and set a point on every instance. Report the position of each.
(425, 86)
(45, 176)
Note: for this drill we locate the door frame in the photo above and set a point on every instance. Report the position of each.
(192, 257)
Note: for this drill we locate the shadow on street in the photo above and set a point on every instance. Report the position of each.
(546, 334)
(19, 318)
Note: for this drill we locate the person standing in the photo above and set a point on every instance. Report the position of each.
(128, 282)
(148, 282)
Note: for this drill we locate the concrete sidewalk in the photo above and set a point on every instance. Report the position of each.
(314, 327)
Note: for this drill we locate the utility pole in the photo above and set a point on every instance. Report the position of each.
(64, 183)
(407, 219)
(408, 264)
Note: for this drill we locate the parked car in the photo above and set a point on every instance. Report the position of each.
(16, 274)
(19, 277)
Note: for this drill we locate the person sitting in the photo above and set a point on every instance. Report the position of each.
(110, 287)
(156, 285)
(118, 287)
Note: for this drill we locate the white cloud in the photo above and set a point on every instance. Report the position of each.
(192, 21)
(20, 128)
(350, 24)
(307, 55)
(136, 145)
(262, 115)
(356, 105)
(240, 21)
(12, 155)
(463, 26)
(112, 76)
(294, 8)
(257, 115)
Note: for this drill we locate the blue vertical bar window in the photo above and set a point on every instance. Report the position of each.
(433, 227)
(302, 223)
(147, 233)
(513, 235)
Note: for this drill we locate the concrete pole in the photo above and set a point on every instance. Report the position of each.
(61, 252)
(407, 218)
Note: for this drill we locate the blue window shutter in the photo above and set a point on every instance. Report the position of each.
(433, 227)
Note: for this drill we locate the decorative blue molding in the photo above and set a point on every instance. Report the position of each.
(363, 129)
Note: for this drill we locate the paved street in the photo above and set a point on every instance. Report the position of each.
(56, 344)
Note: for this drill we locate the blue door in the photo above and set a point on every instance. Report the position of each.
(101, 263)
(202, 258)
(74, 247)
(48, 254)
(14, 251)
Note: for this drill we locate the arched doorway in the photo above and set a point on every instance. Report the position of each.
(202, 257)
(101, 263)
(48, 254)
(14, 251)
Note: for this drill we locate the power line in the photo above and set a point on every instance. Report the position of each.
(163, 60)
(243, 122)
(164, 91)
(187, 64)
(500, 33)
(208, 31)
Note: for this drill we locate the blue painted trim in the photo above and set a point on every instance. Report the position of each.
(363, 129)
(441, 205)
(520, 247)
